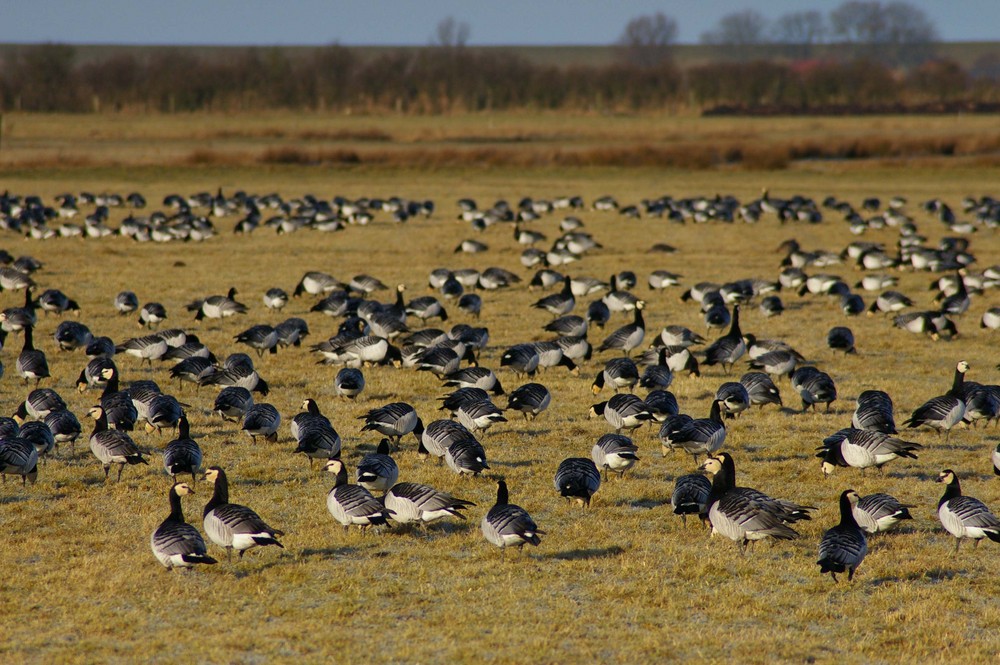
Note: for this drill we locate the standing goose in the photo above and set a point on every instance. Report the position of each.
(521, 358)
(147, 348)
(475, 377)
(568, 326)
(353, 504)
(175, 543)
(19, 457)
(275, 298)
(622, 412)
(261, 420)
(40, 436)
(117, 404)
(39, 403)
(618, 373)
(262, 338)
(814, 387)
(863, 449)
(761, 389)
(231, 525)
(730, 347)
(840, 338)
(413, 502)
(217, 307)
(530, 399)
(126, 302)
(112, 446)
(577, 478)
(945, 411)
(183, 454)
(614, 452)
(964, 516)
(658, 376)
(558, 304)
(65, 427)
(733, 398)
(696, 436)
(378, 471)
(843, 547)
(629, 337)
(394, 420)
(466, 457)
(880, 512)
(349, 382)
(507, 524)
(314, 434)
(232, 403)
(690, 496)
(874, 412)
(479, 415)
(152, 315)
(31, 363)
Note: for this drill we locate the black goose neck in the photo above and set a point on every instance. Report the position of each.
(847, 510)
(503, 497)
(176, 512)
(220, 495)
(951, 491)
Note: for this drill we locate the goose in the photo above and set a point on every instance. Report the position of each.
(761, 389)
(39, 403)
(65, 428)
(889, 302)
(995, 458)
(545, 279)
(991, 319)
(679, 336)
(147, 348)
(19, 457)
(111, 446)
(471, 303)
(863, 449)
(744, 514)
(550, 354)
(522, 359)
(586, 286)
(661, 404)
(394, 420)
(730, 347)
(231, 525)
(40, 436)
(690, 496)
(530, 399)
(933, 324)
(696, 436)
(164, 411)
(662, 279)
(622, 412)
(439, 435)
(142, 394)
(101, 346)
(315, 283)
(475, 377)
(814, 387)
(56, 302)
(192, 370)
(349, 382)
(466, 457)
(471, 246)
(964, 516)
(957, 303)
(262, 338)
(629, 337)
(442, 360)
(261, 420)
(12, 279)
(366, 284)
(232, 403)
(15, 319)
(479, 415)
(778, 363)
(416, 503)
(427, 307)
(657, 376)
(717, 316)
(981, 403)
(72, 335)
(614, 452)
(152, 315)
(238, 372)
(733, 399)
(353, 504)
(507, 524)
(217, 307)
(618, 373)
(771, 306)
(175, 543)
(840, 338)
(843, 547)
(945, 411)
(275, 298)
(462, 396)
(377, 471)
(183, 454)
(31, 363)
(598, 313)
(558, 304)
(314, 434)
(117, 405)
(880, 512)
(874, 412)
(568, 326)
(575, 348)
(577, 479)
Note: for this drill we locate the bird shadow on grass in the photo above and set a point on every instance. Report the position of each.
(250, 568)
(644, 502)
(4, 500)
(589, 553)
(932, 575)
(518, 463)
(327, 552)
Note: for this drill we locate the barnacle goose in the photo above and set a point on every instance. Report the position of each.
(964, 516)
(466, 457)
(523, 359)
(475, 377)
(394, 420)
(72, 335)
(690, 496)
(558, 304)
(733, 399)
(91, 376)
(414, 502)
(568, 326)
(863, 449)
(814, 387)
(629, 337)
(152, 315)
(112, 446)
(65, 427)
(377, 471)
(577, 478)
(314, 434)
(438, 435)
(761, 389)
(147, 348)
(183, 454)
(479, 415)
(275, 298)
(315, 283)
(39, 403)
(261, 420)
(618, 373)
(175, 543)
(614, 452)
(657, 376)
(622, 412)
(530, 399)
(231, 525)
(18, 456)
(696, 436)
(31, 363)
(874, 412)
(507, 524)
(945, 411)
(349, 382)
(126, 302)
(232, 403)
(843, 547)
(730, 347)
(262, 338)
(840, 338)
(880, 512)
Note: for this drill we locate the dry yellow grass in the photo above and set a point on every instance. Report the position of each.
(623, 581)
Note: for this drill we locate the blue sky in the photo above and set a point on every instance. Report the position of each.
(407, 22)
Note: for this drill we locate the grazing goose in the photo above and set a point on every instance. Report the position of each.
(618, 373)
(65, 428)
(568, 326)
(771, 306)
(192, 370)
(863, 449)
(550, 354)
(471, 304)
(679, 336)
(238, 371)
(378, 471)
(56, 302)
(349, 382)
(152, 315)
(560, 303)
(164, 411)
(394, 420)
(761, 389)
(744, 514)
(466, 457)
(598, 313)
(31, 363)
(479, 415)
(890, 302)
(614, 452)
(117, 405)
(661, 404)
(126, 302)
(412, 502)
(275, 298)
(231, 525)
(945, 411)
(353, 504)
(453, 401)
(71, 335)
(101, 346)
(690, 496)
(522, 359)
(963, 516)
(530, 399)
(39, 403)
(577, 478)
(19, 457)
(840, 338)
(232, 403)
(262, 338)
(657, 376)
(40, 436)
(507, 524)
(439, 435)
(778, 363)
(814, 387)
(934, 324)
(729, 348)
(175, 543)
(14, 319)
(475, 377)
(733, 399)
(843, 547)
(622, 412)
(183, 454)
(261, 420)
(147, 348)
(874, 412)
(629, 337)
(217, 307)
(695, 436)
(111, 446)
(661, 279)
(991, 319)
(880, 512)
(315, 283)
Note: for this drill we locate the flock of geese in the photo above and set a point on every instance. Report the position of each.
(397, 334)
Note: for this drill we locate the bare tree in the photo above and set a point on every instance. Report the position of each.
(738, 29)
(451, 33)
(895, 32)
(647, 41)
(799, 32)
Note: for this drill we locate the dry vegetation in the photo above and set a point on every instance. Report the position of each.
(624, 581)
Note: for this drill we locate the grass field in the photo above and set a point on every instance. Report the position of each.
(624, 581)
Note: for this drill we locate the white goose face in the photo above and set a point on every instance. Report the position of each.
(712, 465)
(107, 373)
(305, 403)
(853, 497)
(963, 366)
(334, 466)
(95, 412)
(946, 477)
(211, 475)
(183, 488)
(827, 468)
